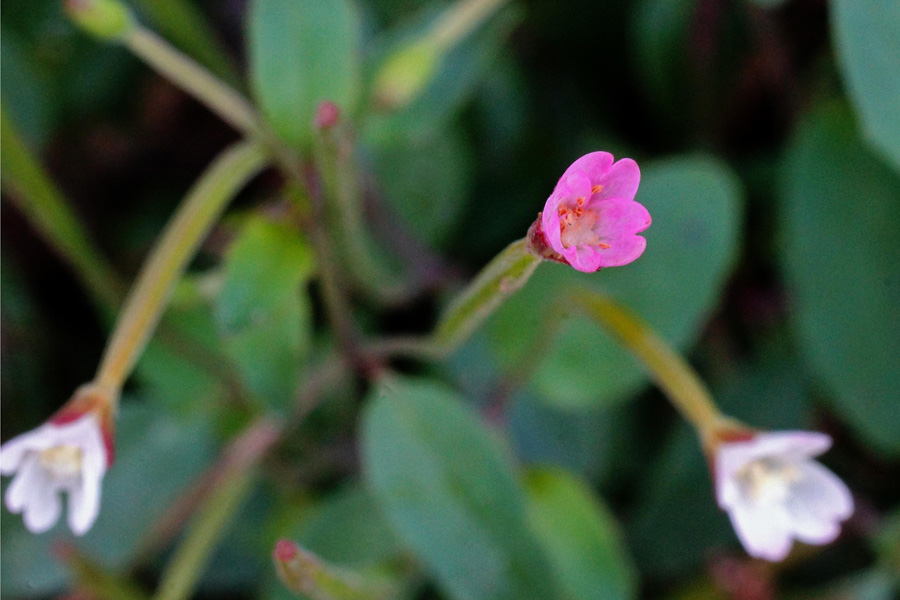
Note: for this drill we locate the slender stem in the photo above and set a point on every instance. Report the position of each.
(190, 225)
(186, 565)
(666, 367)
(499, 280)
(193, 78)
(344, 212)
(460, 19)
(35, 194)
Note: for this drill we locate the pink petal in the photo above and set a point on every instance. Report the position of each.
(619, 217)
(621, 251)
(621, 180)
(584, 258)
(595, 165)
(579, 186)
(550, 223)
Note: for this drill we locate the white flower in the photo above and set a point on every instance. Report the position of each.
(70, 457)
(774, 492)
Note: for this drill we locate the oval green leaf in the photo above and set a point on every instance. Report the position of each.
(450, 494)
(263, 312)
(581, 537)
(841, 218)
(301, 53)
(867, 35)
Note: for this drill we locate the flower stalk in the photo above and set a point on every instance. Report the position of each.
(180, 240)
(499, 280)
(666, 367)
(209, 524)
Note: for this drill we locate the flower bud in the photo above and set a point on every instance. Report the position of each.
(105, 19)
(405, 75)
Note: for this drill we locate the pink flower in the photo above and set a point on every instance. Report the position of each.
(591, 220)
(69, 453)
(774, 492)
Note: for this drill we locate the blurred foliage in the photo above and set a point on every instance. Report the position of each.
(536, 462)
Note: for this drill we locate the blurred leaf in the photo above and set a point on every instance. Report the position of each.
(691, 247)
(581, 537)
(450, 493)
(676, 523)
(426, 181)
(301, 53)
(841, 220)
(349, 529)
(576, 442)
(156, 458)
(867, 35)
(866, 584)
(263, 312)
(181, 364)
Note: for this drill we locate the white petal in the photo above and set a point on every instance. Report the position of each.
(12, 452)
(761, 531)
(43, 508)
(818, 503)
(84, 505)
(796, 444)
(30, 477)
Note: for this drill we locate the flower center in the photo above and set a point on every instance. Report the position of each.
(576, 224)
(62, 461)
(767, 480)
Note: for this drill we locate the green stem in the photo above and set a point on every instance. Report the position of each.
(499, 280)
(44, 206)
(195, 217)
(231, 106)
(186, 565)
(345, 218)
(183, 22)
(666, 367)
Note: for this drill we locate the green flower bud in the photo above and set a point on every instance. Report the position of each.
(105, 19)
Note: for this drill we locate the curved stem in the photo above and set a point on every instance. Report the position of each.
(666, 367)
(193, 78)
(190, 225)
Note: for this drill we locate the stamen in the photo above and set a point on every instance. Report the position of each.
(62, 461)
(766, 480)
(603, 246)
(596, 189)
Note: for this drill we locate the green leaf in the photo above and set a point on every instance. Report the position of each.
(581, 537)
(157, 457)
(691, 247)
(867, 35)
(426, 181)
(182, 366)
(450, 493)
(841, 220)
(263, 313)
(301, 53)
